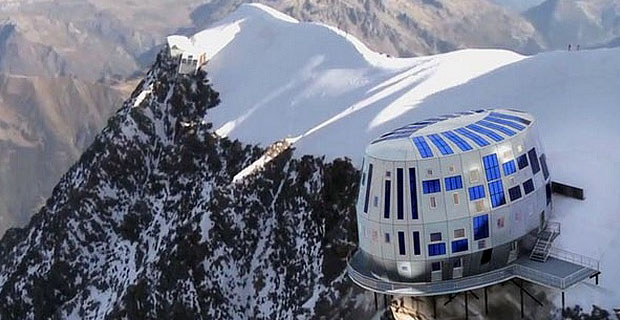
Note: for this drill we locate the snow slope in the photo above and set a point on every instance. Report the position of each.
(280, 78)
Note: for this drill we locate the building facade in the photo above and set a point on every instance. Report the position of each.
(452, 196)
(190, 57)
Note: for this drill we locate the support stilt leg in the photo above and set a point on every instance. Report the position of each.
(466, 307)
(486, 301)
(434, 308)
(521, 293)
(563, 301)
(376, 305)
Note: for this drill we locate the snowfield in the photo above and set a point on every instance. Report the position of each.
(279, 78)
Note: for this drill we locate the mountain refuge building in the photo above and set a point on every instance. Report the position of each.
(190, 57)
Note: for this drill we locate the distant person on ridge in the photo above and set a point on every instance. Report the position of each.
(569, 47)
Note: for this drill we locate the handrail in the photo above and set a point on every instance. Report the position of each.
(575, 258)
(554, 226)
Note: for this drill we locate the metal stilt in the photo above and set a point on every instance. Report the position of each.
(486, 301)
(376, 305)
(466, 307)
(434, 308)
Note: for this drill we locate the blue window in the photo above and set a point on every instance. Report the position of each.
(515, 193)
(522, 161)
(401, 243)
(476, 192)
(511, 117)
(491, 167)
(386, 202)
(459, 246)
(436, 249)
(436, 266)
(413, 190)
(528, 186)
(489, 133)
(400, 190)
(534, 160)
(443, 147)
(548, 192)
(497, 127)
(481, 227)
(496, 191)
(462, 144)
(423, 148)
(416, 243)
(474, 137)
(510, 167)
(431, 186)
(368, 185)
(454, 183)
(509, 123)
(543, 164)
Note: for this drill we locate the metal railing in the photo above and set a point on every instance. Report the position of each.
(554, 227)
(575, 258)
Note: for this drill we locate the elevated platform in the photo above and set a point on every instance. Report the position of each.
(561, 271)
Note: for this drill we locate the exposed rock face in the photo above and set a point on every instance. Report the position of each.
(148, 225)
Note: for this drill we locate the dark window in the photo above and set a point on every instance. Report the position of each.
(387, 238)
(386, 202)
(522, 161)
(515, 193)
(458, 263)
(423, 148)
(481, 227)
(543, 164)
(401, 243)
(548, 192)
(414, 194)
(489, 133)
(459, 246)
(368, 185)
(443, 147)
(496, 127)
(436, 266)
(528, 186)
(534, 160)
(486, 256)
(474, 137)
(436, 236)
(496, 191)
(462, 144)
(400, 190)
(436, 249)
(476, 192)
(431, 186)
(509, 167)
(491, 167)
(416, 243)
(454, 183)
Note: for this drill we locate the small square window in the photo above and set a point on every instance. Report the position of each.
(433, 202)
(436, 236)
(388, 174)
(436, 266)
(482, 244)
(519, 148)
(429, 172)
(474, 176)
(387, 238)
(455, 197)
(376, 201)
(451, 169)
(458, 263)
(479, 205)
(507, 154)
(500, 222)
(375, 236)
(459, 233)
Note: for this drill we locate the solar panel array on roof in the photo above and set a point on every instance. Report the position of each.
(472, 136)
(423, 148)
(505, 122)
(497, 127)
(462, 144)
(485, 132)
(511, 117)
(443, 147)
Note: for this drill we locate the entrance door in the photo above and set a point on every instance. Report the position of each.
(543, 222)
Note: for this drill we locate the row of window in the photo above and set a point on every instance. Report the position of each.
(492, 172)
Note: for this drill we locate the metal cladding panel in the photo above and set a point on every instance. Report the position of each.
(387, 249)
(431, 170)
(439, 227)
(453, 225)
(500, 224)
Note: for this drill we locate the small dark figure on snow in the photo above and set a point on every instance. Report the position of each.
(578, 46)
(569, 47)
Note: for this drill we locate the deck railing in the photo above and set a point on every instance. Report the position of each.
(575, 258)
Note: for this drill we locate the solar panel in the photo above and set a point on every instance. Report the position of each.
(423, 148)
(486, 132)
(497, 127)
(462, 144)
(505, 122)
(511, 117)
(474, 137)
(443, 147)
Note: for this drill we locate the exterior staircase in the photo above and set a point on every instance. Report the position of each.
(544, 241)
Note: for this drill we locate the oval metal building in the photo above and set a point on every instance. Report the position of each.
(449, 198)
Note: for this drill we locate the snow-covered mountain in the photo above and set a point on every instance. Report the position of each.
(148, 223)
